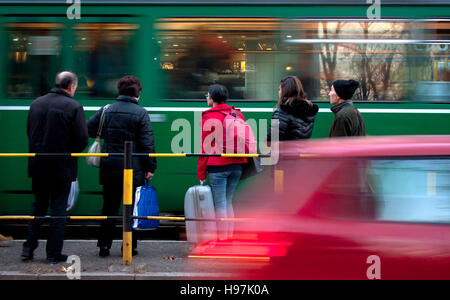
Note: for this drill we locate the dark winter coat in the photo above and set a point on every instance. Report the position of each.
(56, 124)
(124, 120)
(296, 120)
(347, 121)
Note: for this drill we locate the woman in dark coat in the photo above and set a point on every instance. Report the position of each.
(294, 111)
(124, 120)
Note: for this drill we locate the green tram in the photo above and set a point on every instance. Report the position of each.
(399, 52)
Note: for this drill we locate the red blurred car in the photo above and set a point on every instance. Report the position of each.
(344, 208)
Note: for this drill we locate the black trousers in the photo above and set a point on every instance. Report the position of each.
(54, 192)
(112, 202)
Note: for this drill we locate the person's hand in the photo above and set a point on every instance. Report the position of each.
(149, 175)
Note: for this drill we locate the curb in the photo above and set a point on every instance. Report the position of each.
(13, 275)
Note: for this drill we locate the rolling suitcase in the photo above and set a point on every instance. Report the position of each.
(198, 204)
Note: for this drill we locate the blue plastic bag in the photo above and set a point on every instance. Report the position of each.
(145, 204)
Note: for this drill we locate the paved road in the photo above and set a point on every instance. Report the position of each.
(156, 260)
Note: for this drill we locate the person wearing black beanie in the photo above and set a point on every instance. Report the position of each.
(345, 88)
(347, 120)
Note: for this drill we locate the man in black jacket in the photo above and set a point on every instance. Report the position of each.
(124, 120)
(56, 124)
(348, 120)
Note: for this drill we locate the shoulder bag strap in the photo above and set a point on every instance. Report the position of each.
(102, 120)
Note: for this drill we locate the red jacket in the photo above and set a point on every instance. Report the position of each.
(204, 162)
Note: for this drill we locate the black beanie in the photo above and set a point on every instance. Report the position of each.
(345, 88)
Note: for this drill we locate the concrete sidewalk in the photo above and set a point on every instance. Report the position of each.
(156, 260)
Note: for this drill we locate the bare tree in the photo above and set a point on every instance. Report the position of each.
(374, 65)
(374, 68)
(329, 53)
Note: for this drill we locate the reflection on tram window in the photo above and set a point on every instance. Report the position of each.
(34, 58)
(103, 54)
(250, 56)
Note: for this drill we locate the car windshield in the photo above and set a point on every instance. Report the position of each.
(383, 190)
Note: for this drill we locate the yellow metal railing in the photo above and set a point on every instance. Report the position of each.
(127, 192)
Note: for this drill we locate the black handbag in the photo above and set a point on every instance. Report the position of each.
(252, 167)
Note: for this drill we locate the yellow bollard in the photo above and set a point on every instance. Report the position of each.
(127, 205)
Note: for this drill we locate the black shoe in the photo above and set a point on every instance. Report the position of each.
(57, 259)
(27, 254)
(104, 251)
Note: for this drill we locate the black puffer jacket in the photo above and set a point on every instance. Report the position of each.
(124, 121)
(296, 120)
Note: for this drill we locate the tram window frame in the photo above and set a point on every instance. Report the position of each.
(18, 28)
(403, 93)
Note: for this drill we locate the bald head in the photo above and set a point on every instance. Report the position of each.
(67, 81)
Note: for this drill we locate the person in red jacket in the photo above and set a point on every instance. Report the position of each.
(224, 172)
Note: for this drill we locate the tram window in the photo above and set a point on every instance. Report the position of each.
(33, 58)
(355, 49)
(251, 55)
(241, 53)
(365, 51)
(103, 54)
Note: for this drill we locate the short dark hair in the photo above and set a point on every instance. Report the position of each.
(129, 86)
(65, 79)
(218, 93)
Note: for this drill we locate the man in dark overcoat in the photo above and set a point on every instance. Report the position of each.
(56, 124)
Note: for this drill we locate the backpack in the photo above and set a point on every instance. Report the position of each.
(238, 137)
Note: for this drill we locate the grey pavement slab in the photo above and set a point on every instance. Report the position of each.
(156, 260)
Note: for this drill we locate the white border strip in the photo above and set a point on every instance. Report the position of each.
(268, 110)
(364, 41)
(404, 111)
(14, 108)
